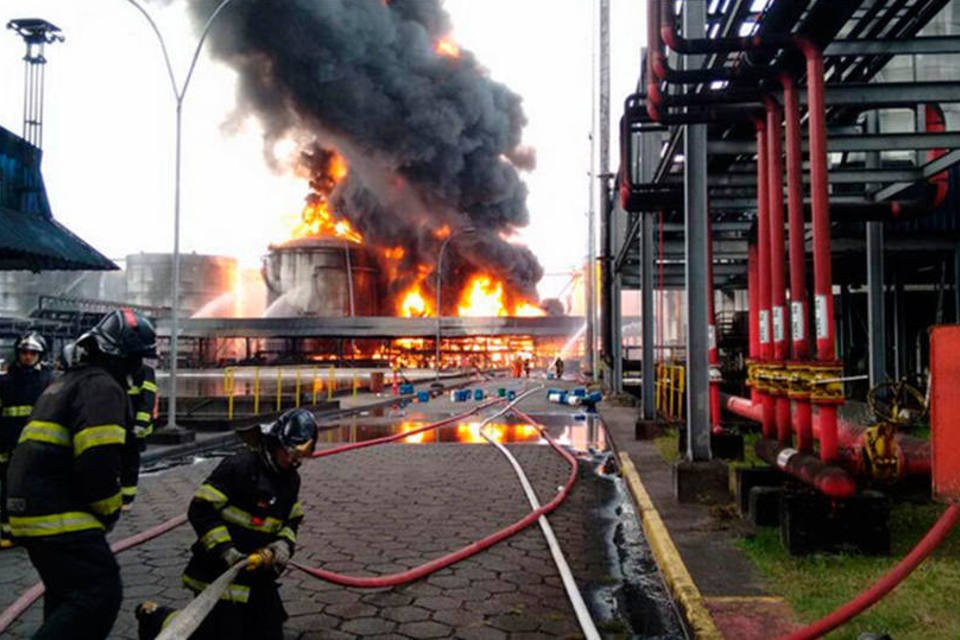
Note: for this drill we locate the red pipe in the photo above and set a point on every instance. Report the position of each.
(777, 258)
(820, 197)
(830, 480)
(936, 122)
(753, 313)
(763, 281)
(938, 532)
(798, 264)
(372, 582)
(713, 356)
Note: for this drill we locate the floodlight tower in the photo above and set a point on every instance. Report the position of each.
(37, 34)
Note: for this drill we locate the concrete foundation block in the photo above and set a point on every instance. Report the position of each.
(746, 478)
(701, 482)
(764, 506)
(172, 435)
(649, 429)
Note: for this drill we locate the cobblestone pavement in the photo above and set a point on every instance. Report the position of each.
(384, 509)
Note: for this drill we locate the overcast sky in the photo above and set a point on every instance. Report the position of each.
(109, 124)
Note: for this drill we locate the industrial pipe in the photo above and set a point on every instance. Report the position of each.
(713, 355)
(777, 259)
(823, 280)
(830, 480)
(753, 313)
(763, 262)
(798, 265)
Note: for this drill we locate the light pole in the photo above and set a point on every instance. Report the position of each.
(178, 94)
(443, 246)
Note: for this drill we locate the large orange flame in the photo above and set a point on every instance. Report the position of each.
(447, 47)
(484, 297)
(317, 221)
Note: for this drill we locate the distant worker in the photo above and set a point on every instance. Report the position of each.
(526, 367)
(558, 366)
(143, 403)
(64, 475)
(26, 379)
(248, 509)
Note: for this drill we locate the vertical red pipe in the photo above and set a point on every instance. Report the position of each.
(753, 313)
(712, 354)
(763, 280)
(778, 323)
(798, 264)
(822, 277)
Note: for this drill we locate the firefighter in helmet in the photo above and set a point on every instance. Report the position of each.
(247, 509)
(64, 475)
(23, 383)
(142, 391)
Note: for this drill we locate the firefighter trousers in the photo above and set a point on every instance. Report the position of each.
(4, 518)
(261, 618)
(82, 581)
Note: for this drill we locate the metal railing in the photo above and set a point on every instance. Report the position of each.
(671, 386)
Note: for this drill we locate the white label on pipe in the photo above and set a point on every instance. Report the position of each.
(711, 337)
(778, 324)
(821, 316)
(798, 322)
(764, 326)
(783, 458)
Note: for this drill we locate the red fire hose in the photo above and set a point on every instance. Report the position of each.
(31, 595)
(372, 582)
(887, 583)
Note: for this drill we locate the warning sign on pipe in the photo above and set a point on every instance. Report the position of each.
(778, 324)
(797, 322)
(821, 316)
(764, 326)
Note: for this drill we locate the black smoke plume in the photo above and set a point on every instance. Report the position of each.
(431, 140)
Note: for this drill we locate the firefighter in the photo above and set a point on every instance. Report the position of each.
(142, 392)
(558, 366)
(64, 493)
(26, 379)
(247, 509)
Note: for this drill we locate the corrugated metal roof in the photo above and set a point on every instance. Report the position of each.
(30, 239)
(35, 243)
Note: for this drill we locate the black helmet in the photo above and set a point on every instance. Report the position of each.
(124, 333)
(32, 341)
(295, 429)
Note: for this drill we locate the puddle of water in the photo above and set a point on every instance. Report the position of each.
(583, 435)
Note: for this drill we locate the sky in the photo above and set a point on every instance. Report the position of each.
(109, 125)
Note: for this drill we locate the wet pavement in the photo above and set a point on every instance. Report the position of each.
(388, 508)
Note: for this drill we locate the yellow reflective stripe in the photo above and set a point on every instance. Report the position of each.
(241, 518)
(5, 527)
(296, 511)
(217, 535)
(149, 386)
(143, 416)
(128, 491)
(16, 411)
(287, 534)
(210, 493)
(98, 436)
(49, 432)
(4, 458)
(107, 506)
(54, 524)
(234, 592)
(133, 391)
(168, 619)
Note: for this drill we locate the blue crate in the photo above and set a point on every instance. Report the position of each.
(478, 394)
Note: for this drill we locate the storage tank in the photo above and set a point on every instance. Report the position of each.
(202, 279)
(20, 291)
(309, 277)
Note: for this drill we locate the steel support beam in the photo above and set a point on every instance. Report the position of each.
(837, 176)
(695, 205)
(927, 45)
(647, 267)
(928, 170)
(876, 306)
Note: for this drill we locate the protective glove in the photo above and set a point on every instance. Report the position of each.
(281, 556)
(260, 559)
(231, 556)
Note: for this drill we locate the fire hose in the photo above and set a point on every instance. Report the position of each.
(188, 619)
(31, 595)
(884, 585)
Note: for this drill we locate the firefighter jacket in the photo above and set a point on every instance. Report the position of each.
(19, 390)
(64, 475)
(244, 505)
(143, 399)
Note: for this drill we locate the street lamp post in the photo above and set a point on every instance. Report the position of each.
(443, 246)
(178, 94)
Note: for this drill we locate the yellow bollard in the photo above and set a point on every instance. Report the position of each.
(256, 391)
(683, 388)
(228, 388)
(297, 401)
(315, 383)
(331, 382)
(356, 385)
(279, 388)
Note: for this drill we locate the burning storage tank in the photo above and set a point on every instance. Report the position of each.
(316, 276)
(202, 279)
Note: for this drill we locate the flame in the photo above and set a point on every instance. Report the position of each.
(413, 304)
(447, 47)
(394, 253)
(442, 233)
(527, 310)
(317, 221)
(482, 298)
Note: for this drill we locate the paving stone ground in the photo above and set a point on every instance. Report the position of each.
(385, 509)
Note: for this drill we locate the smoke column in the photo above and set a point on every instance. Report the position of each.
(431, 140)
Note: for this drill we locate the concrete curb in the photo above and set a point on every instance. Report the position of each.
(681, 585)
